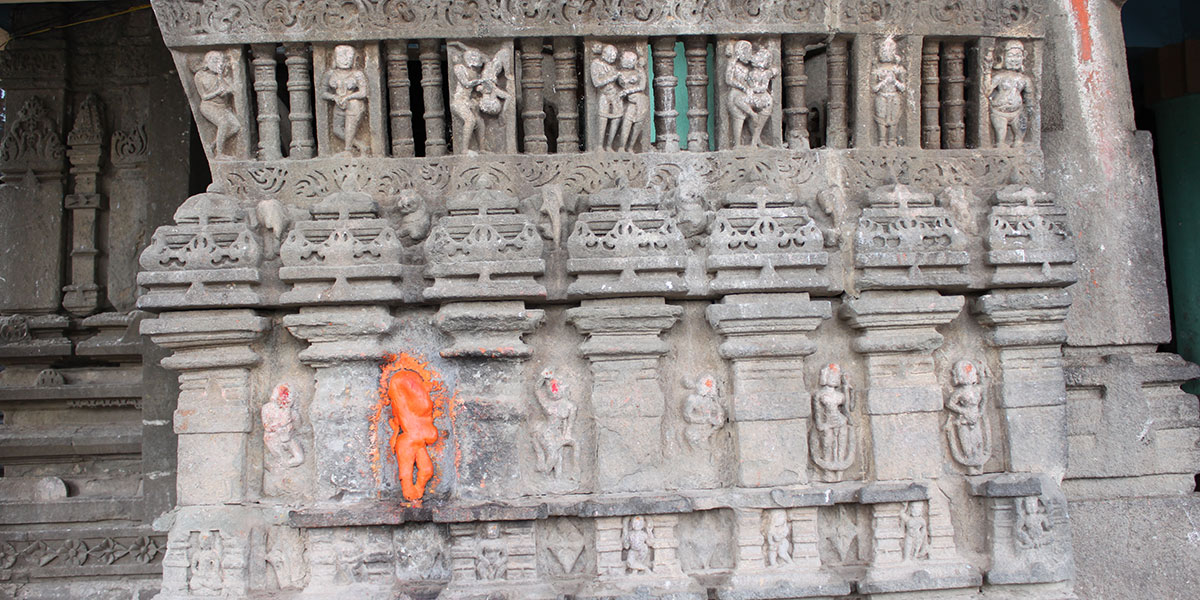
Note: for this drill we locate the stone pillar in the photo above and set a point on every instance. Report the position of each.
(695, 51)
(664, 94)
(623, 347)
(897, 336)
(837, 136)
(81, 296)
(399, 102)
(954, 127)
(794, 82)
(435, 106)
(931, 129)
(300, 107)
(266, 86)
(533, 113)
(566, 89)
(766, 337)
(1027, 327)
(344, 348)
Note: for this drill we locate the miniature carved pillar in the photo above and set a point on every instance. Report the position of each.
(695, 51)
(663, 49)
(492, 395)
(533, 113)
(214, 414)
(1027, 327)
(766, 337)
(266, 87)
(837, 136)
(623, 347)
(954, 129)
(84, 144)
(566, 88)
(931, 130)
(344, 348)
(897, 337)
(435, 105)
(399, 103)
(795, 109)
(300, 108)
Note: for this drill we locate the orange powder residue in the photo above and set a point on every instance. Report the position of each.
(1083, 23)
(416, 397)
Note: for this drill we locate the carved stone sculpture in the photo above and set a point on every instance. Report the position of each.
(916, 531)
(635, 541)
(482, 91)
(345, 86)
(620, 87)
(206, 575)
(749, 74)
(904, 240)
(1033, 525)
(285, 557)
(832, 439)
(703, 413)
(412, 431)
(888, 84)
(554, 439)
(1010, 96)
(279, 418)
(215, 86)
(491, 562)
(967, 429)
(779, 539)
(415, 219)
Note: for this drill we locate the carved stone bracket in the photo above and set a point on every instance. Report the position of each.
(766, 337)
(344, 348)
(623, 347)
(897, 335)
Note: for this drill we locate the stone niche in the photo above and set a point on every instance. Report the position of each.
(824, 357)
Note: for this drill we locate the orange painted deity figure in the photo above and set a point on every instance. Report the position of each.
(412, 431)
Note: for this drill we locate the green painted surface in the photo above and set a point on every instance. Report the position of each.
(1178, 146)
(682, 127)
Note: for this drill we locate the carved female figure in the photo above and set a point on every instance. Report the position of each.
(636, 544)
(633, 84)
(703, 413)
(346, 86)
(887, 82)
(214, 84)
(279, 423)
(916, 531)
(832, 439)
(1033, 524)
(554, 437)
(778, 536)
(412, 431)
(491, 561)
(609, 105)
(1009, 91)
(967, 427)
(206, 565)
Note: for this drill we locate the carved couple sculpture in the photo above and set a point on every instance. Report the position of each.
(749, 75)
(623, 101)
(480, 91)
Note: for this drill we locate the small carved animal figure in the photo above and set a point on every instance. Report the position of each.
(415, 219)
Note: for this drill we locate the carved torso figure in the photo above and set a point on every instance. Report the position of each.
(832, 443)
(554, 437)
(916, 531)
(887, 82)
(491, 560)
(346, 86)
(966, 427)
(412, 431)
(279, 418)
(779, 541)
(703, 413)
(636, 543)
(215, 86)
(1009, 91)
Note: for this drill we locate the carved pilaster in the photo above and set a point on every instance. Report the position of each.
(1027, 327)
(795, 109)
(533, 113)
(897, 336)
(837, 136)
(85, 144)
(399, 102)
(300, 106)
(344, 349)
(766, 337)
(623, 347)
(664, 93)
(931, 130)
(498, 557)
(431, 91)
(267, 88)
(953, 97)
(695, 51)
(566, 88)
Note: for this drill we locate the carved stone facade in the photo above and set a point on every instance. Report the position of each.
(464, 314)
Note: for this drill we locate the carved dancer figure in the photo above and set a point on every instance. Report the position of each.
(778, 534)
(346, 86)
(554, 436)
(609, 105)
(749, 75)
(279, 418)
(636, 544)
(887, 82)
(477, 91)
(703, 413)
(1010, 94)
(916, 531)
(412, 431)
(832, 438)
(636, 101)
(206, 565)
(966, 427)
(1033, 524)
(491, 560)
(214, 84)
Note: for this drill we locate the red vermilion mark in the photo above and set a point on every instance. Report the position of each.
(416, 396)
(1082, 22)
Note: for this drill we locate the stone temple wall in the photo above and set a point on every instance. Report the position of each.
(464, 315)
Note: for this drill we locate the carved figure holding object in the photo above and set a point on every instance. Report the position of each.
(477, 91)
(346, 86)
(554, 436)
(967, 429)
(1033, 524)
(779, 533)
(412, 431)
(832, 440)
(636, 544)
(214, 84)
(889, 88)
